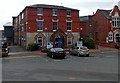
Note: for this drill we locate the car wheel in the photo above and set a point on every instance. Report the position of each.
(70, 53)
(78, 54)
(87, 55)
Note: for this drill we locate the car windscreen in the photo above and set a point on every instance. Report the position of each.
(84, 48)
(58, 49)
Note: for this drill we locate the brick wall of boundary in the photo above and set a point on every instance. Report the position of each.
(112, 45)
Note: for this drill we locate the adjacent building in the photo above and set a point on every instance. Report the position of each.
(1, 37)
(8, 33)
(86, 25)
(103, 26)
(42, 23)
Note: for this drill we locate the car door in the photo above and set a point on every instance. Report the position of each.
(75, 51)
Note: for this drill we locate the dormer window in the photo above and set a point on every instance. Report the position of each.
(68, 13)
(54, 12)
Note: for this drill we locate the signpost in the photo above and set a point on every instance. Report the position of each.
(79, 43)
(49, 44)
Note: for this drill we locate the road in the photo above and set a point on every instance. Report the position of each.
(100, 66)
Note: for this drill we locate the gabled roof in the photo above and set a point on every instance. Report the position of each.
(49, 7)
(106, 13)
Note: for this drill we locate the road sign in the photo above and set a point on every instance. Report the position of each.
(79, 43)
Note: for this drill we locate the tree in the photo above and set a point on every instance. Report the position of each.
(88, 42)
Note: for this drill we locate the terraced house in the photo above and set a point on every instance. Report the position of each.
(42, 23)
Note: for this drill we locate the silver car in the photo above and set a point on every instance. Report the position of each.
(80, 51)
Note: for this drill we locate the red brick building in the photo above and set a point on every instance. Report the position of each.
(42, 23)
(103, 26)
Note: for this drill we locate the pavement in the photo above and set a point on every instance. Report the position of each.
(19, 50)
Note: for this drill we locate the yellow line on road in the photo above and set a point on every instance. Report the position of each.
(19, 57)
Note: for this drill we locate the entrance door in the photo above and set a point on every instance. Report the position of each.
(59, 41)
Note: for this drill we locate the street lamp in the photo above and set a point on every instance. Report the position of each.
(81, 33)
(46, 36)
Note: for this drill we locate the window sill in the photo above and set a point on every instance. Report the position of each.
(54, 15)
(40, 30)
(54, 30)
(40, 14)
(69, 30)
(68, 16)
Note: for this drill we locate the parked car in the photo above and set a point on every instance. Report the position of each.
(80, 51)
(5, 50)
(56, 53)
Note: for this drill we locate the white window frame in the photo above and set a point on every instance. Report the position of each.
(69, 26)
(110, 36)
(42, 24)
(54, 12)
(41, 11)
(41, 39)
(116, 21)
(55, 27)
(116, 37)
(69, 39)
(68, 13)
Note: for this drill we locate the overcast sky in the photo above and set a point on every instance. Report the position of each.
(9, 8)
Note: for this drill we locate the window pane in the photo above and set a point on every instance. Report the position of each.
(54, 12)
(40, 11)
(69, 41)
(55, 25)
(68, 13)
(40, 41)
(40, 25)
(69, 26)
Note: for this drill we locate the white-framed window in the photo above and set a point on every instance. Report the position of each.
(55, 25)
(110, 36)
(40, 41)
(68, 13)
(117, 38)
(116, 21)
(40, 25)
(69, 26)
(54, 12)
(39, 11)
(69, 40)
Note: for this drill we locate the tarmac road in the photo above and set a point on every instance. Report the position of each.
(100, 66)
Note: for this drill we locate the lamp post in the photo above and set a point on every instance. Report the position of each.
(81, 33)
(46, 36)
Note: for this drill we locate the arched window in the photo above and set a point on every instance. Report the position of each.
(40, 41)
(69, 40)
(110, 36)
(117, 37)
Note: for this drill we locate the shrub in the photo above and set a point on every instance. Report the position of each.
(89, 42)
(33, 46)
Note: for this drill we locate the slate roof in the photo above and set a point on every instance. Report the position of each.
(8, 24)
(49, 7)
(85, 18)
(106, 13)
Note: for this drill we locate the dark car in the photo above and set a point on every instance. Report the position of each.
(5, 50)
(56, 53)
(80, 51)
